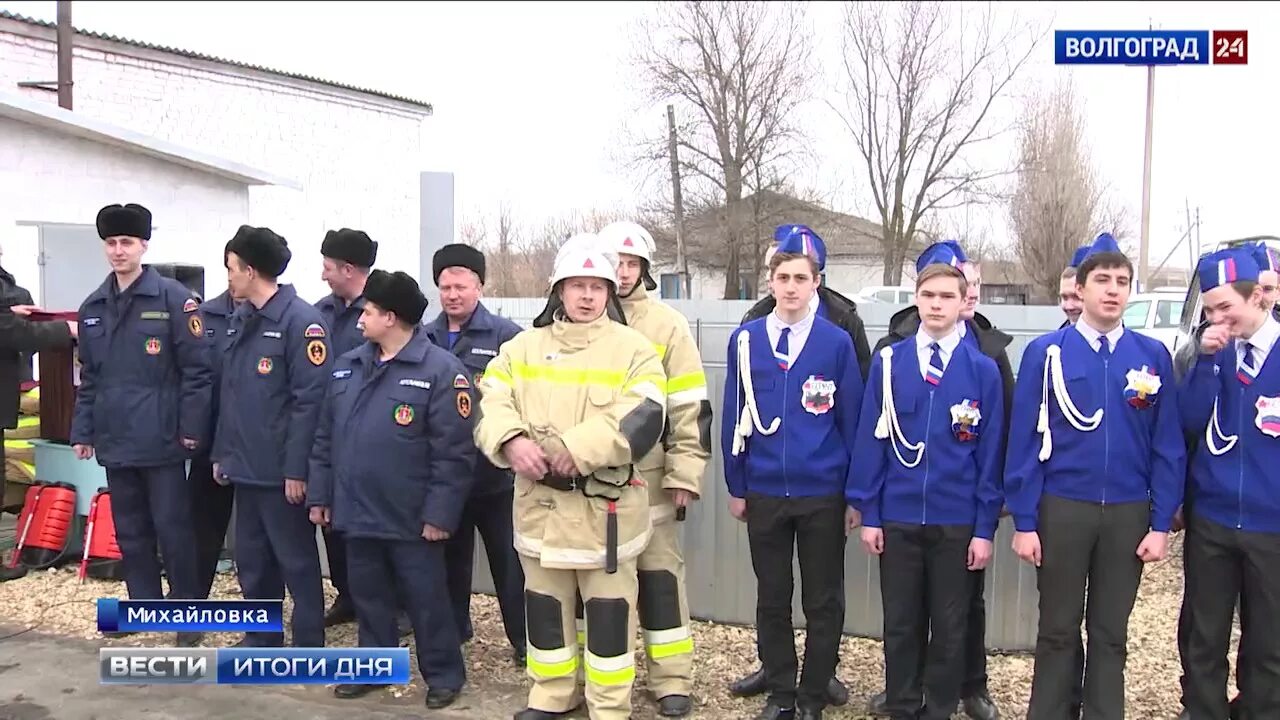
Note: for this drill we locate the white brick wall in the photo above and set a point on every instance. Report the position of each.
(357, 157)
(46, 176)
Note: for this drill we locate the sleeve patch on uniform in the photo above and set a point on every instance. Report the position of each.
(425, 385)
(196, 325)
(464, 404)
(342, 374)
(460, 382)
(190, 305)
(155, 315)
(317, 352)
(314, 330)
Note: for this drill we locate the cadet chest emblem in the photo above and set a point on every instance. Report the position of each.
(464, 404)
(818, 395)
(316, 352)
(1142, 388)
(1268, 417)
(153, 346)
(403, 414)
(965, 417)
(264, 366)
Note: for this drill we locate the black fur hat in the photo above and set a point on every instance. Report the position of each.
(457, 255)
(132, 220)
(261, 249)
(396, 292)
(347, 245)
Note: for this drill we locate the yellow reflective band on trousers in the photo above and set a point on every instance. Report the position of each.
(561, 662)
(661, 644)
(613, 379)
(619, 670)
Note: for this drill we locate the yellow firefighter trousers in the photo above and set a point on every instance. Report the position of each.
(664, 613)
(608, 656)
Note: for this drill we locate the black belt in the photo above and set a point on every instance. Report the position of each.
(564, 484)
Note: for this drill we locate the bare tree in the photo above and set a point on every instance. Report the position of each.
(1059, 201)
(923, 78)
(735, 72)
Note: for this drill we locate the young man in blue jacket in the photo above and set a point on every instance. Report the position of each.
(1231, 403)
(1093, 477)
(929, 448)
(391, 471)
(274, 374)
(792, 395)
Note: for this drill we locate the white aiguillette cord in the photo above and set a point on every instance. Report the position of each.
(1053, 371)
(750, 416)
(887, 427)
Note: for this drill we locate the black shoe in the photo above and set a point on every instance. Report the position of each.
(349, 691)
(340, 613)
(1236, 708)
(876, 706)
(531, 714)
(438, 698)
(773, 712)
(837, 693)
(12, 573)
(979, 706)
(190, 639)
(675, 706)
(403, 626)
(748, 686)
(809, 714)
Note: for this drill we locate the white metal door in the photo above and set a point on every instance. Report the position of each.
(72, 265)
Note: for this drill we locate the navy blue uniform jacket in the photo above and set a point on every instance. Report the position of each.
(342, 319)
(145, 376)
(217, 319)
(274, 375)
(393, 450)
(477, 344)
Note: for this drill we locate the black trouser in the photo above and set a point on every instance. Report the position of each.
(1095, 546)
(813, 529)
(1223, 564)
(151, 508)
(276, 549)
(927, 592)
(974, 649)
(1184, 631)
(211, 513)
(336, 552)
(491, 515)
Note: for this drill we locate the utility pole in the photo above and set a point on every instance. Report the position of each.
(682, 260)
(1146, 182)
(65, 36)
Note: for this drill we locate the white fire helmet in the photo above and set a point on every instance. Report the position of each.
(583, 255)
(624, 237)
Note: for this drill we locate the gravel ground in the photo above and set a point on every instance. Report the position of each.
(52, 601)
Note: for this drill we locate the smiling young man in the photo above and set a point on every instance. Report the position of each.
(1068, 295)
(930, 440)
(792, 395)
(1093, 476)
(1231, 403)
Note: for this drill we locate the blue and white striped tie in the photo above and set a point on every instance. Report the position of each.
(1248, 365)
(782, 352)
(933, 373)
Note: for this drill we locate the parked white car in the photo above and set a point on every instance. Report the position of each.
(1156, 315)
(891, 294)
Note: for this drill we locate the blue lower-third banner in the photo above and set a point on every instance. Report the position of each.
(253, 666)
(231, 616)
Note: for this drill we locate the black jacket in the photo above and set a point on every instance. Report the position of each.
(19, 338)
(840, 310)
(992, 342)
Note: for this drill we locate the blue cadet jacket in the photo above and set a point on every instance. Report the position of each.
(1114, 434)
(932, 454)
(274, 375)
(216, 313)
(812, 407)
(342, 319)
(145, 376)
(1234, 482)
(393, 450)
(476, 345)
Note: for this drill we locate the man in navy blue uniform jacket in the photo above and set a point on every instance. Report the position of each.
(1231, 405)
(391, 468)
(792, 394)
(274, 374)
(929, 448)
(1093, 477)
(466, 328)
(348, 256)
(143, 405)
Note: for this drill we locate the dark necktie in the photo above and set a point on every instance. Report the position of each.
(782, 352)
(1104, 347)
(933, 374)
(1248, 364)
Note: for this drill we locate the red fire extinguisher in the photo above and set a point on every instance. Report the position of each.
(45, 525)
(100, 541)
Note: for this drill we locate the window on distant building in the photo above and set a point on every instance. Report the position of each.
(744, 286)
(669, 285)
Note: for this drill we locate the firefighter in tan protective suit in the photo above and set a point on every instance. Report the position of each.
(672, 471)
(571, 405)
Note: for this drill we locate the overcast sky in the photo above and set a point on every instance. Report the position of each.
(531, 98)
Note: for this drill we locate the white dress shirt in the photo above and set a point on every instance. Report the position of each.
(1264, 339)
(795, 340)
(1094, 336)
(946, 347)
